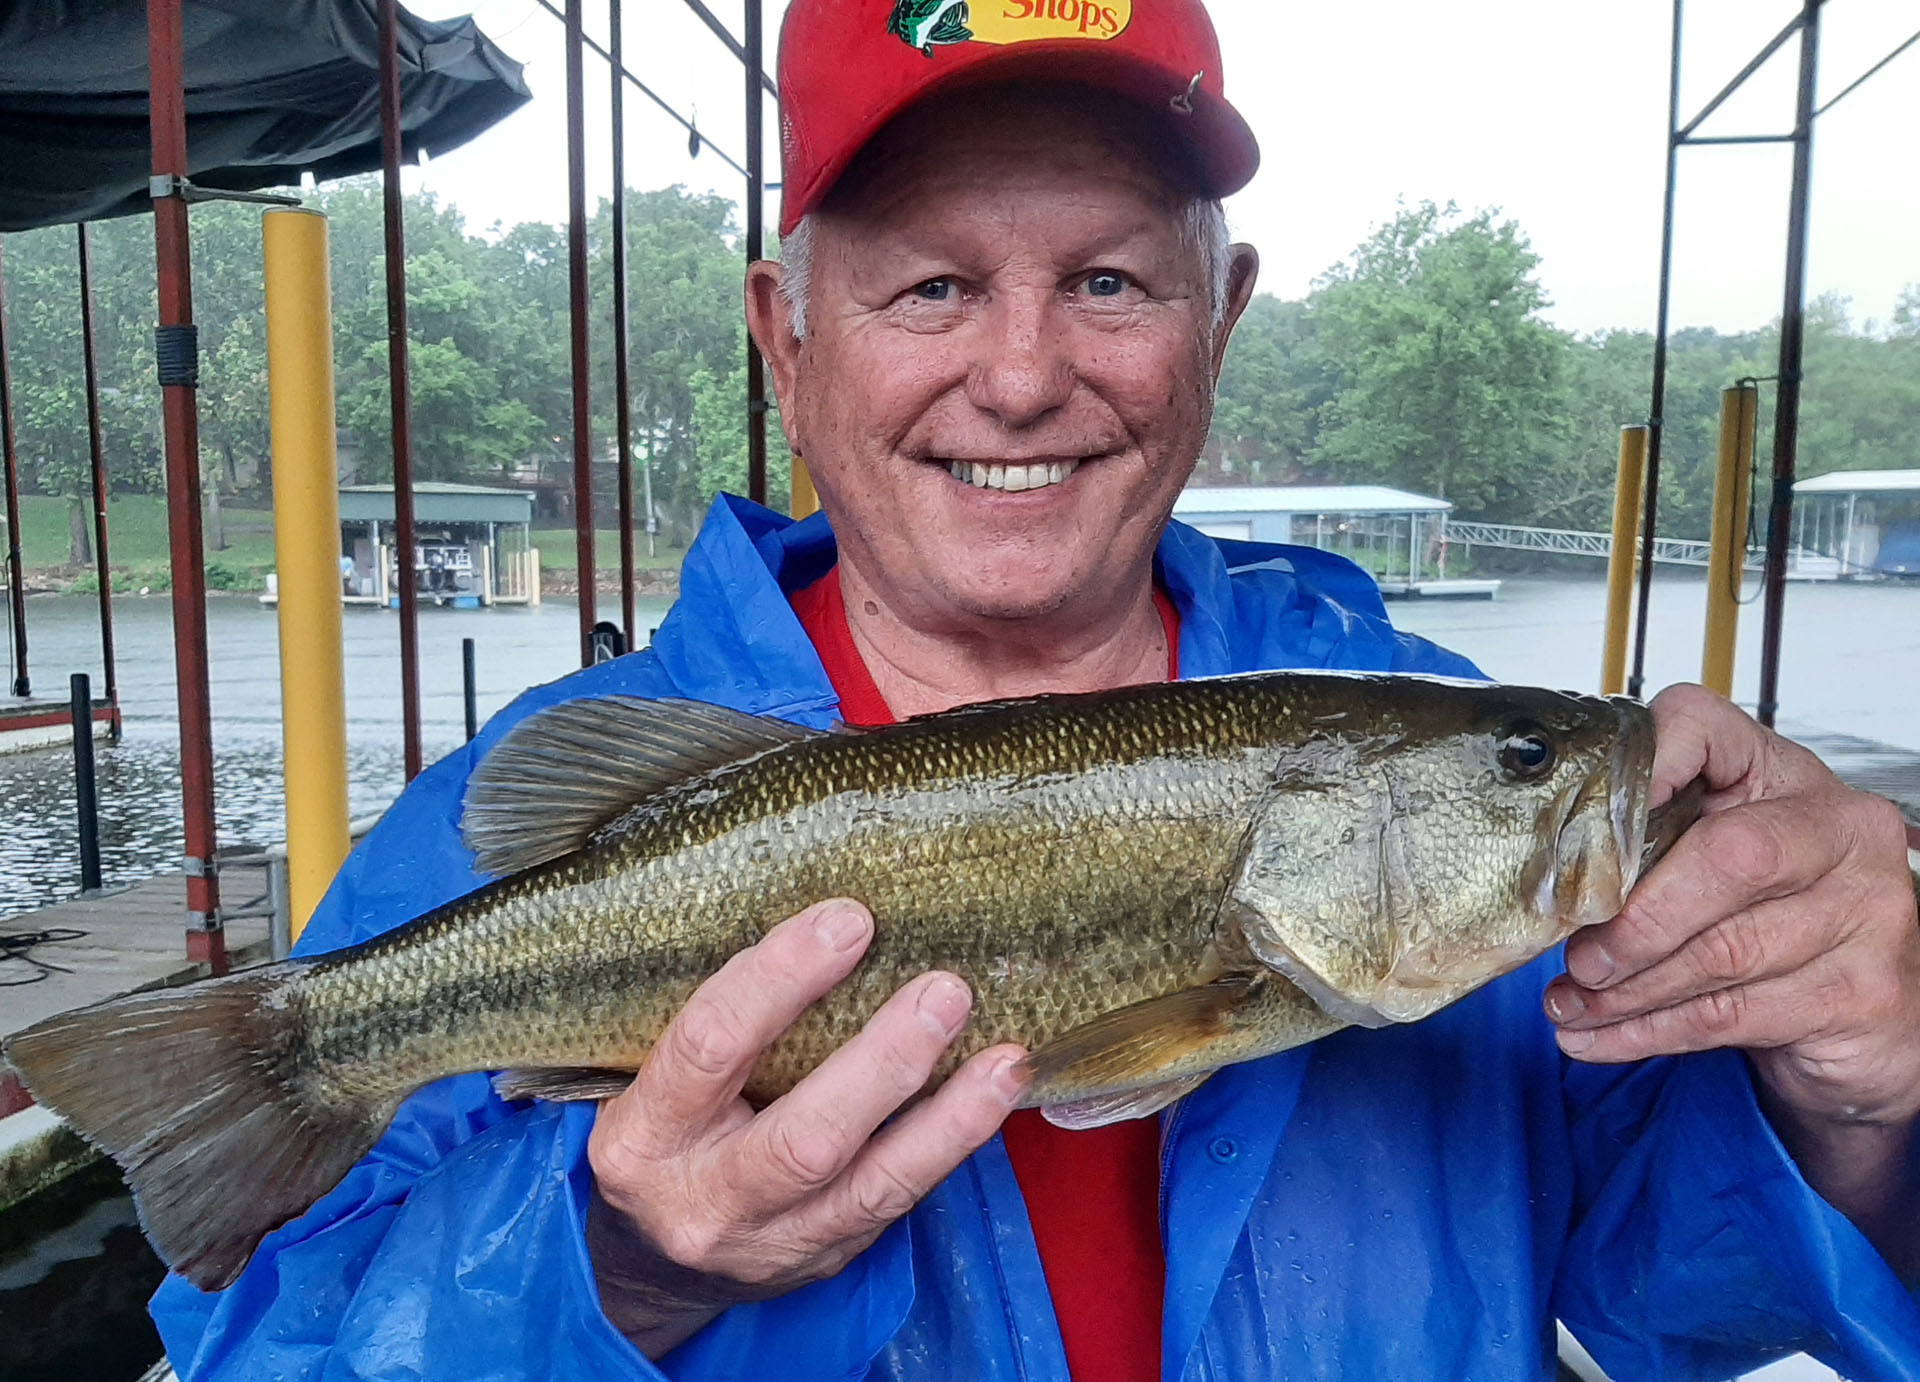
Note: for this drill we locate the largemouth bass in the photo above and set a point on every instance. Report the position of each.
(1141, 886)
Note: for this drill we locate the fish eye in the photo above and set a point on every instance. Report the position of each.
(1524, 752)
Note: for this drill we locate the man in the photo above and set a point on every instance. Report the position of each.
(1006, 298)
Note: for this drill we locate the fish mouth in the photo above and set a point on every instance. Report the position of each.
(1014, 476)
(1598, 833)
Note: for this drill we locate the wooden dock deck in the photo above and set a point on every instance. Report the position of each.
(117, 941)
(1870, 766)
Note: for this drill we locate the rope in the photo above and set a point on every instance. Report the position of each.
(18, 945)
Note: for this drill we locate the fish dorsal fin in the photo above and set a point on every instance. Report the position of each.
(563, 772)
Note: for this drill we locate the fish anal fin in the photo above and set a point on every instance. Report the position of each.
(562, 1084)
(1077, 1115)
(565, 771)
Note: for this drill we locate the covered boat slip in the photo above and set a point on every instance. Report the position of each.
(1399, 536)
(472, 546)
(1866, 521)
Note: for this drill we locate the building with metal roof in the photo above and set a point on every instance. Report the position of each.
(1866, 520)
(472, 545)
(1396, 534)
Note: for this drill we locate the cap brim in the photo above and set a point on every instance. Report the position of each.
(1225, 153)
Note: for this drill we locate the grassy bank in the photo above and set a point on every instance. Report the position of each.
(557, 553)
(137, 545)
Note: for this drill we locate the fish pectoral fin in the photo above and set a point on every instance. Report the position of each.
(1193, 1031)
(563, 772)
(562, 1084)
(1077, 1115)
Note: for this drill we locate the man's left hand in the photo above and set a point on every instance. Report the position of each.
(1781, 923)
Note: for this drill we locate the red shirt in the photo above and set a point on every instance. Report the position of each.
(1093, 1197)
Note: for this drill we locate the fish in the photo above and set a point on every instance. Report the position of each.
(1140, 885)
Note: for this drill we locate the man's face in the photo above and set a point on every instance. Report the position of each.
(1010, 355)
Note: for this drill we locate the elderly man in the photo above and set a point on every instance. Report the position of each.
(1006, 293)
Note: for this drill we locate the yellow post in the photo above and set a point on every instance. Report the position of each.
(804, 501)
(306, 528)
(1727, 555)
(1629, 493)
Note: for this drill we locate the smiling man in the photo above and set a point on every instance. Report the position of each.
(1005, 296)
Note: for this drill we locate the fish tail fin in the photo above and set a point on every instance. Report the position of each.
(195, 1093)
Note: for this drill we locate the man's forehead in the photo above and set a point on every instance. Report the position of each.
(1008, 136)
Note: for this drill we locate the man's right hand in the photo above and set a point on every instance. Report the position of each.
(725, 1204)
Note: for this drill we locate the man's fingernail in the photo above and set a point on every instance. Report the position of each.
(843, 927)
(1573, 1043)
(1564, 1003)
(1010, 1079)
(1590, 965)
(943, 1006)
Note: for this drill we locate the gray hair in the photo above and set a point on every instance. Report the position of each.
(1203, 232)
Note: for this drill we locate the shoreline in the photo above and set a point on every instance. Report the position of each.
(144, 582)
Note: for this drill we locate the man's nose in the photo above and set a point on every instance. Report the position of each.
(1024, 367)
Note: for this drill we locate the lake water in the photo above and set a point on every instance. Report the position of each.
(1852, 665)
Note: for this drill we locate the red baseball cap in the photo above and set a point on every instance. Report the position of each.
(847, 67)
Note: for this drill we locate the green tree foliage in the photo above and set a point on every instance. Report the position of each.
(1421, 360)
(1272, 385)
(1445, 377)
(720, 436)
(489, 346)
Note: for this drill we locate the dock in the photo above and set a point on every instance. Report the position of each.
(1460, 588)
(95, 947)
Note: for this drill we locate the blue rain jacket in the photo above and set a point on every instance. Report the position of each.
(1413, 1203)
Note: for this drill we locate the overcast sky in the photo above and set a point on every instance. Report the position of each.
(1551, 110)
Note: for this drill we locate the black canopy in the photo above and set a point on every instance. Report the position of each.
(274, 88)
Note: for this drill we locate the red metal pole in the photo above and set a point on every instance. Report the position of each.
(22, 685)
(398, 386)
(622, 382)
(97, 447)
(179, 377)
(577, 303)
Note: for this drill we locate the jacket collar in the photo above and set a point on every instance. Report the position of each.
(732, 635)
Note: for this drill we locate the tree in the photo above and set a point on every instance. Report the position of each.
(720, 436)
(1446, 381)
(1273, 383)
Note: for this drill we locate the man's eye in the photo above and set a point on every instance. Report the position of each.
(1106, 284)
(934, 290)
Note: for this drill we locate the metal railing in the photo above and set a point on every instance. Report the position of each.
(1678, 551)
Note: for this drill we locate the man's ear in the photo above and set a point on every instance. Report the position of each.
(1243, 269)
(770, 320)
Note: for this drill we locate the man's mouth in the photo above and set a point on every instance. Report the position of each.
(1037, 475)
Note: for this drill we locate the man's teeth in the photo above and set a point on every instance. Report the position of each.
(1012, 477)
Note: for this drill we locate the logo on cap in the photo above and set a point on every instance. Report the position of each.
(927, 24)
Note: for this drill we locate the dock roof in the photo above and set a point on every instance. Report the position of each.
(438, 501)
(1347, 499)
(1860, 482)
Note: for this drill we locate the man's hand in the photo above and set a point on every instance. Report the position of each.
(722, 1204)
(1781, 923)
